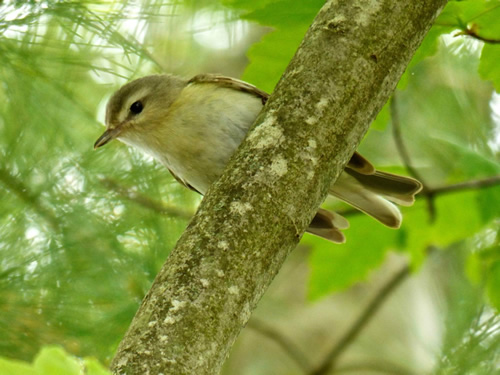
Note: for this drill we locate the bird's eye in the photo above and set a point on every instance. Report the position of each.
(136, 107)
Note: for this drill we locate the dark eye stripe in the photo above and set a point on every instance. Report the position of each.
(136, 107)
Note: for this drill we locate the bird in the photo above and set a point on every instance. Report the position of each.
(193, 126)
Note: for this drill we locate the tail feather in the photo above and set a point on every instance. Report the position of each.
(360, 164)
(370, 191)
(397, 189)
(350, 190)
(327, 224)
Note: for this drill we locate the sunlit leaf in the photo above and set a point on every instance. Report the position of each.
(270, 56)
(13, 367)
(93, 367)
(336, 267)
(483, 264)
(488, 67)
(493, 283)
(55, 361)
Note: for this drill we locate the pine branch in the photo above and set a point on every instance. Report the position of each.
(23, 192)
(144, 201)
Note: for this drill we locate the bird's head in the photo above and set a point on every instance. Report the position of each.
(139, 107)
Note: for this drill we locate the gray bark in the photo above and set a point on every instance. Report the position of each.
(344, 71)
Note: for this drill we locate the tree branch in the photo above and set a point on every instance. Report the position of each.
(344, 71)
(368, 313)
(144, 201)
(286, 344)
(467, 185)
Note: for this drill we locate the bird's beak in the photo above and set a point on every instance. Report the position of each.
(107, 136)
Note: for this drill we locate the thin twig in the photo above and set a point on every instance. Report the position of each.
(285, 343)
(405, 156)
(366, 316)
(400, 145)
(431, 193)
(144, 201)
(442, 190)
(467, 185)
(472, 32)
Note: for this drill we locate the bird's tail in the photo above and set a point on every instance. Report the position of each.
(370, 191)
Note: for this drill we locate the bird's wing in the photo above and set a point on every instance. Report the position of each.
(231, 83)
(357, 162)
(182, 182)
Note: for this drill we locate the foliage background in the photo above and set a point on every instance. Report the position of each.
(83, 233)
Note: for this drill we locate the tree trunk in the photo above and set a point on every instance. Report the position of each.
(344, 71)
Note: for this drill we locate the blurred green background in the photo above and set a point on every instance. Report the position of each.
(83, 232)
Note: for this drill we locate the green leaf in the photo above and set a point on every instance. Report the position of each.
(480, 16)
(55, 361)
(94, 367)
(14, 367)
(493, 283)
(489, 66)
(286, 14)
(245, 4)
(488, 201)
(462, 163)
(336, 267)
(427, 48)
(416, 225)
(461, 14)
(270, 57)
(483, 265)
(458, 217)
(383, 118)
(486, 22)
(267, 63)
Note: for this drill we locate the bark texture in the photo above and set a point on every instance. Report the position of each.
(344, 71)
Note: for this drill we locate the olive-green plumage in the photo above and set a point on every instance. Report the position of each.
(193, 127)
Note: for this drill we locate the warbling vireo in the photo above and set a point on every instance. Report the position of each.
(193, 127)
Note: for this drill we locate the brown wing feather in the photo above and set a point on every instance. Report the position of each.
(231, 83)
(182, 182)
